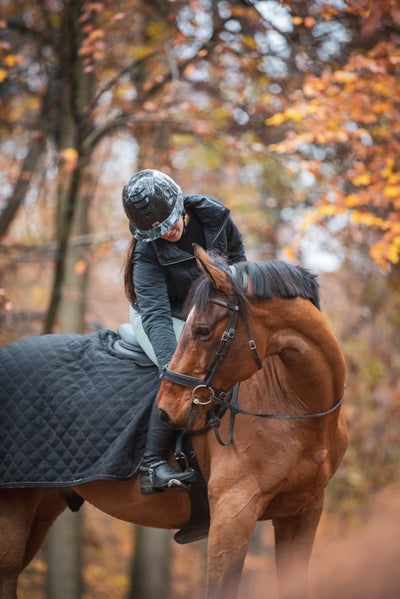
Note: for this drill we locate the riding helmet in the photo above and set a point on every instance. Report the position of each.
(153, 203)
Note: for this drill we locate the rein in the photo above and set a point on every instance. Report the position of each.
(237, 409)
(224, 398)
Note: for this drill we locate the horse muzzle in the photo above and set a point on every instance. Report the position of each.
(165, 417)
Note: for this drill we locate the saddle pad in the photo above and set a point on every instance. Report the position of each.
(72, 410)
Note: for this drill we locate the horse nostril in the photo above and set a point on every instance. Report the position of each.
(164, 416)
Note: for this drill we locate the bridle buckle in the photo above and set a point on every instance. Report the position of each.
(228, 334)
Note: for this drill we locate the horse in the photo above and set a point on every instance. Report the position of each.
(257, 324)
(275, 466)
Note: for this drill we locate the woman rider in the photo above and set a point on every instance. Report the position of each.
(159, 270)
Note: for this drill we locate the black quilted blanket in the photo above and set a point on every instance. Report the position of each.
(71, 411)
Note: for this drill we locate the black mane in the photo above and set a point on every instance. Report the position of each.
(280, 279)
(274, 278)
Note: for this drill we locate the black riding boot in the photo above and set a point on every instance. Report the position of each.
(155, 472)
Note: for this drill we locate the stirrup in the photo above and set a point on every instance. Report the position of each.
(149, 483)
(174, 483)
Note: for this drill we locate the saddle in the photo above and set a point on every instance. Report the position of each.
(127, 346)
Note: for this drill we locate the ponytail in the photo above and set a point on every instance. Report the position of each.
(128, 272)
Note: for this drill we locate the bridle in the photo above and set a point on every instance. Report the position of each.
(224, 397)
(222, 349)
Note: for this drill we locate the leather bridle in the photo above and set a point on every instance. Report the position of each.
(222, 349)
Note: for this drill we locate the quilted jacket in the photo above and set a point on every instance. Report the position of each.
(163, 272)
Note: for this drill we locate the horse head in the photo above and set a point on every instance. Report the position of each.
(216, 349)
(236, 316)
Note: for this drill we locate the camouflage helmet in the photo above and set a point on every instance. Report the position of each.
(153, 203)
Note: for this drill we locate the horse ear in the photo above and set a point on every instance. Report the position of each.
(218, 278)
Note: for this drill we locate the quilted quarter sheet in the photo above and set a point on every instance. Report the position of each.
(71, 411)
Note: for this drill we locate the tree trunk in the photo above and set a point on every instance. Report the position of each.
(64, 575)
(63, 553)
(150, 573)
(76, 91)
(68, 202)
(68, 297)
(72, 310)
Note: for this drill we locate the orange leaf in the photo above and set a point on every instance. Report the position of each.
(289, 253)
(391, 192)
(9, 60)
(364, 179)
(297, 20)
(80, 267)
(277, 119)
(70, 157)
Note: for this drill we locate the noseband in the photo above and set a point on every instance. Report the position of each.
(222, 349)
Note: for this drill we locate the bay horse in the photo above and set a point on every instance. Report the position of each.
(272, 466)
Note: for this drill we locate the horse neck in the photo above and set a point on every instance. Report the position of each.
(302, 356)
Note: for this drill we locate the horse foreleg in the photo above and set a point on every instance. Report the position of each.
(17, 510)
(233, 518)
(50, 507)
(25, 517)
(294, 538)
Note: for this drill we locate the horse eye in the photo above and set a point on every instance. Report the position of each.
(202, 332)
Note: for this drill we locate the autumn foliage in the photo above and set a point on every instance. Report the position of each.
(352, 110)
(133, 70)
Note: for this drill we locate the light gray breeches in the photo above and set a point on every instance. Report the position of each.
(142, 338)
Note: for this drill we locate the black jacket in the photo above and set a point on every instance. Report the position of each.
(163, 272)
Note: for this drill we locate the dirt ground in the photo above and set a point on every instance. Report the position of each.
(364, 563)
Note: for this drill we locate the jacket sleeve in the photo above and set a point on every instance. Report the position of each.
(236, 251)
(155, 309)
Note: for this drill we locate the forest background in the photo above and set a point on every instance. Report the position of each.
(287, 112)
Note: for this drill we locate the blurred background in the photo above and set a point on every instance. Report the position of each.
(289, 113)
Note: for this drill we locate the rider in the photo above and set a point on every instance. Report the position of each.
(159, 269)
